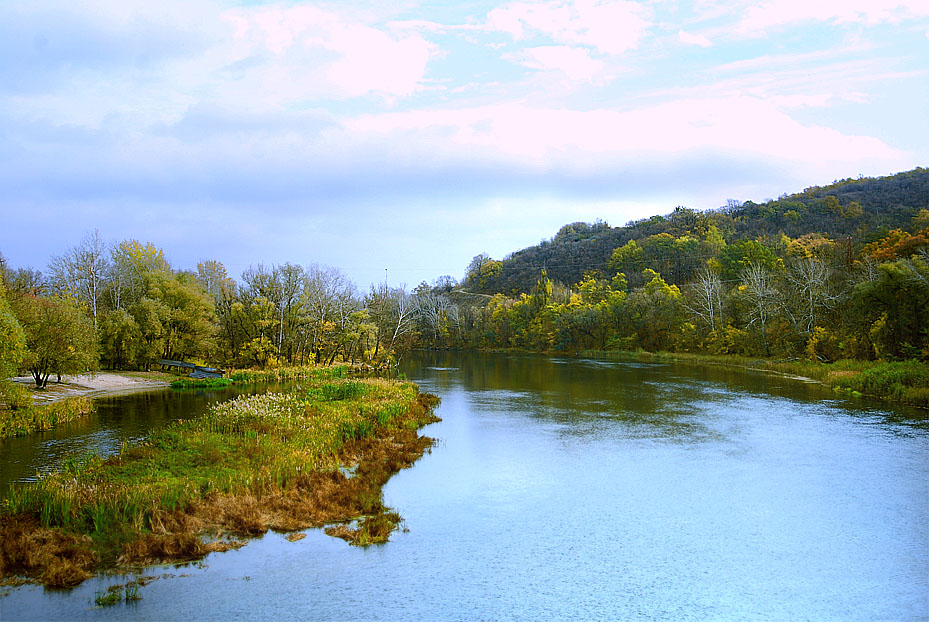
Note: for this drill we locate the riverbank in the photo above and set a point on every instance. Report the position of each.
(95, 385)
(308, 458)
(30, 409)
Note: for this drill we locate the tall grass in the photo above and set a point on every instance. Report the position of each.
(22, 421)
(280, 374)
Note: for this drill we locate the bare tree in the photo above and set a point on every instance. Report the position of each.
(705, 300)
(80, 272)
(762, 296)
(433, 310)
(289, 280)
(809, 279)
(394, 313)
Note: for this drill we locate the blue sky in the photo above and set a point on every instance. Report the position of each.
(412, 136)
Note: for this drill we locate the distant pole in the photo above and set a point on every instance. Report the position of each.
(385, 276)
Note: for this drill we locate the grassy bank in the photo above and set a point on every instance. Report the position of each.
(35, 417)
(899, 381)
(273, 461)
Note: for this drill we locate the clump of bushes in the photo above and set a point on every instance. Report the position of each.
(903, 381)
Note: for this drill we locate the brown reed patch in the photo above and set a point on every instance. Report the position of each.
(55, 558)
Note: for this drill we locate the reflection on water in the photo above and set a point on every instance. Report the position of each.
(565, 488)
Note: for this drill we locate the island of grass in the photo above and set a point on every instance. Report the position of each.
(310, 457)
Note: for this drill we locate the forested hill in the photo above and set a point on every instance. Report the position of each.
(852, 212)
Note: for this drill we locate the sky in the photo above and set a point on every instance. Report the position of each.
(397, 139)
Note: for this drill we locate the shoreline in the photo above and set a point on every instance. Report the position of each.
(92, 385)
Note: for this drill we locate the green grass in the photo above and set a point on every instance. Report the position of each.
(22, 421)
(200, 383)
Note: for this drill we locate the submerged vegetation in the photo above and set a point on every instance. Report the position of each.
(272, 461)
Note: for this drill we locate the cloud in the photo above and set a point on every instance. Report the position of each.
(758, 19)
(608, 26)
(691, 39)
(575, 64)
(257, 56)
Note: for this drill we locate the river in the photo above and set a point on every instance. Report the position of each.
(583, 489)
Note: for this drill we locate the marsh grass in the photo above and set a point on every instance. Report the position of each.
(116, 594)
(37, 417)
(250, 464)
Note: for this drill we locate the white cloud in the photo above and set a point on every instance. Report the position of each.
(575, 64)
(609, 26)
(322, 53)
(760, 18)
(522, 137)
(692, 39)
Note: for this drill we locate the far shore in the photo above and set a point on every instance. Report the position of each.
(95, 385)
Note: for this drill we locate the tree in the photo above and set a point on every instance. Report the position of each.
(393, 312)
(120, 339)
(705, 299)
(59, 337)
(894, 306)
(131, 265)
(12, 339)
(762, 297)
(809, 280)
(80, 272)
(654, 311)
(190, 319)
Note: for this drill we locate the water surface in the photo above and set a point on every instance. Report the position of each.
(566, 488)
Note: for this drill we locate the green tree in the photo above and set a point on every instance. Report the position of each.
(655, 312)
(120, 339)
(894, 306)
(12, 339)
(59, 337)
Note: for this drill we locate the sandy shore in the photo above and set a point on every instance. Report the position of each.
(103, 383)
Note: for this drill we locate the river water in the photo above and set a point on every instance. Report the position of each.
(584, 489)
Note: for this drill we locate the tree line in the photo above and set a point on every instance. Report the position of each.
(811, 297)
(122, 306)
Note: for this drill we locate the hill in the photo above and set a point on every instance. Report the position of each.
(853, 212)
